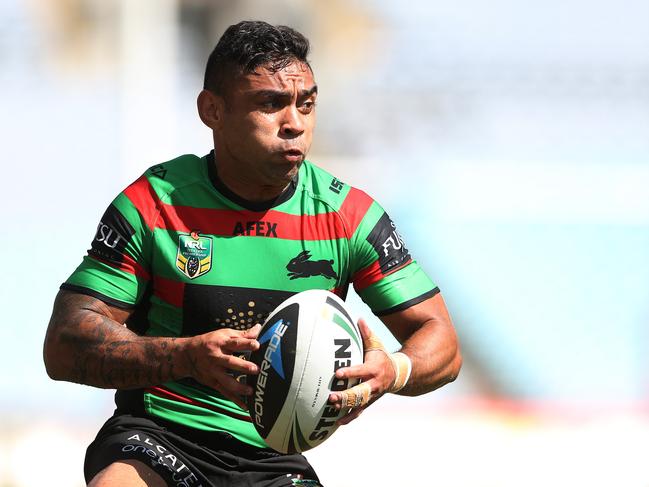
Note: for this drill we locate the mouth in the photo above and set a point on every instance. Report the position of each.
(293, 155)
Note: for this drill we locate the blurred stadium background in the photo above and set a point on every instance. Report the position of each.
(510, 142)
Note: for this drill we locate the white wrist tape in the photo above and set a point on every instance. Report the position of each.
(402, 369)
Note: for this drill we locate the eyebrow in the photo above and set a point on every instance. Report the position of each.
(287, 94)
(312, 91)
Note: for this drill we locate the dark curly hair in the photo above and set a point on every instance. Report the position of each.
(245, 46)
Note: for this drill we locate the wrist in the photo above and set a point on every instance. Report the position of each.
(402, 369)
(184, 361)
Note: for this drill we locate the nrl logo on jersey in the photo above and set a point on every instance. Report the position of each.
(194, 257)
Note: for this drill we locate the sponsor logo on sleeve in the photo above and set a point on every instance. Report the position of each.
(112, 235)
(389, 245)
(336, 185)
(194, 256)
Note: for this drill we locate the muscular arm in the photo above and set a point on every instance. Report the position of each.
(428, 338)
(87, 342)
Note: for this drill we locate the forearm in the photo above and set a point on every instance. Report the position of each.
(85, 344)
(435, 355)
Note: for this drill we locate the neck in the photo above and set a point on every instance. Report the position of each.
(243, 191)
(246, 187)
(244, 180)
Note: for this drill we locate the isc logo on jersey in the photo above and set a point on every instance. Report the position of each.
(304, 341)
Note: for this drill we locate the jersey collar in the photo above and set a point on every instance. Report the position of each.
(220, 186)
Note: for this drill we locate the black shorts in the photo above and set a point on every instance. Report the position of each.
(186, 457)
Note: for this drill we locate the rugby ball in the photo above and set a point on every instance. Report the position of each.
(303, 342)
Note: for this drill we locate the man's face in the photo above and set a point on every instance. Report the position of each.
(267, 123)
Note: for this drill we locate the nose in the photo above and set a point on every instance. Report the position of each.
(292, 124)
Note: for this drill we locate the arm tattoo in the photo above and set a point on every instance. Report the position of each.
(86, 344)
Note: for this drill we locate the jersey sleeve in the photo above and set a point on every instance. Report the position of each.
(383, 272)
(117, 266)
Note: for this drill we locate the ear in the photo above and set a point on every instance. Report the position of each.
(304, 255)
(210, 109)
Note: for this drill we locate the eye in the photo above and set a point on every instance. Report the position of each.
(271, 104)
(307, 106)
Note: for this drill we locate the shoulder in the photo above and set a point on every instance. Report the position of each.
(161, 180)
(147, 193)
(354, 207)
(169, 176)
(334, 192)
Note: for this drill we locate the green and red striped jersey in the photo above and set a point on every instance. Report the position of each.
(189, 256)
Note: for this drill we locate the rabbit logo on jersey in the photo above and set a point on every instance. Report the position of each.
(302, 266)
(194, 257)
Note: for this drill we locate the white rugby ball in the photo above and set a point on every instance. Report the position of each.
(303, 342)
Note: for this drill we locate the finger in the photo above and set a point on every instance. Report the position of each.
(233, 390)
(236, 399)
(252, 332)
(339, 399)
(230, 385)
(240, 343)
(370, 340)
(360, 371)
(365, 329)
(238, 364)
(356, 396)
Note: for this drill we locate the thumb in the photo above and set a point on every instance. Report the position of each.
(370, 340)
